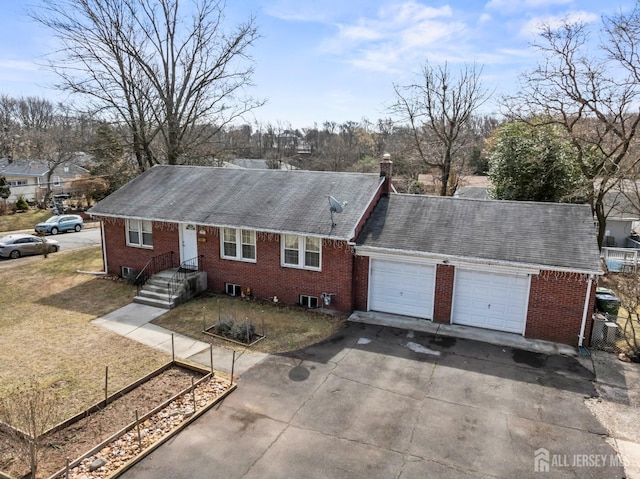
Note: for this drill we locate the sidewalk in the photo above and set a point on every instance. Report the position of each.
(134, 322)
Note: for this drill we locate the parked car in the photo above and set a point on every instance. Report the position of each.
(14, 246)
(60, 223)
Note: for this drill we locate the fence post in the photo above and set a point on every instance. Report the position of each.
(233, 363)
(66, 470)
(193, 395)
(138, 428)
(173, 350)
(211, 358)
(106, 385)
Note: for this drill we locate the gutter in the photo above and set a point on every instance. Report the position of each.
(221, 225)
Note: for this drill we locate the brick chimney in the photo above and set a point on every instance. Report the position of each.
(386, 167)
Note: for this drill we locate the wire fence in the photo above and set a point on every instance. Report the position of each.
(608, 333)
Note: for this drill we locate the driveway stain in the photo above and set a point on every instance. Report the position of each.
(535, 360)
(443, 341)
(245, 418)
(299, 373)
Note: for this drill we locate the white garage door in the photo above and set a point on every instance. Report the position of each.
(401, 288)
(490, 300)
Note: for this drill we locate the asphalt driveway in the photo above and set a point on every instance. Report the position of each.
(378, 402)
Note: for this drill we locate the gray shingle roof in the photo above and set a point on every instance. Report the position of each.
(475, 192)
(264, 200)
(559, 236)
(34, 168)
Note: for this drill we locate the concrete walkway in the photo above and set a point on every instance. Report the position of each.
(134, 322)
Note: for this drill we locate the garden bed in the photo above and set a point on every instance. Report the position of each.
(161, 401)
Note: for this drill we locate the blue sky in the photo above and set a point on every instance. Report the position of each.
(337, 60)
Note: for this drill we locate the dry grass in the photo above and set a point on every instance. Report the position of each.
(23, 221)
(46, 334)
(286, 328)
(46, 309)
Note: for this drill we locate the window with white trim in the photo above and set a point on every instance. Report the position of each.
(301, 251)
(238, 244)
(56, 181)
(140, 233)
(17, 182)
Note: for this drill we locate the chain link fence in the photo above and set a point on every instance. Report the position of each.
(614, 334)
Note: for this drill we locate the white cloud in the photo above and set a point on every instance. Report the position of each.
(533, 26)
(17, 65)
(400, 32)
(517, 5)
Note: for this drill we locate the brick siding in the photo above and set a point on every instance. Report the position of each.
(556, 305)
(361, 283)
(444, 293)
(266, 278)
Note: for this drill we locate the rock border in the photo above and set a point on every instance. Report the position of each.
(186, 419)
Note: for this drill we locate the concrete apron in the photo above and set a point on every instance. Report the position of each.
(496, 338)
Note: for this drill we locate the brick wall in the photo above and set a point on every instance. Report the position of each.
(361, 283)
(556, 305)
(443, 293)
(165, 239)
(266, 277)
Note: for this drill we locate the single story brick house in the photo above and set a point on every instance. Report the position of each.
(519, 267)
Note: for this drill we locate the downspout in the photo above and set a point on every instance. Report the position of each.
(104, 247)
(586, 311)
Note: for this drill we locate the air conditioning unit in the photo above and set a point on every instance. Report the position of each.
(308, 301)
(232, 289)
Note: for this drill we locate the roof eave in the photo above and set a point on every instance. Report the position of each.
(456, 260)
(222, 225)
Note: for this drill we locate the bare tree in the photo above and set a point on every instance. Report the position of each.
(152, 67)
(29, 412)
(593, 96)
(437, 111)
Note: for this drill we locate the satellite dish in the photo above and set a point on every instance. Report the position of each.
(335, 206)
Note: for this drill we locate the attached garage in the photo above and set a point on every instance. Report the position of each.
(402, 288)
(491, 300)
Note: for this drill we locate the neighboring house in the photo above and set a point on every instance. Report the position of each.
(622, 216)
(258, 164)
(28, 178)
(519, 267)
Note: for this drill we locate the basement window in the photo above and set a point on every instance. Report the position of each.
(308, 301)
(232, 289)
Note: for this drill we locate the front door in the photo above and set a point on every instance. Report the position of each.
(188, 242)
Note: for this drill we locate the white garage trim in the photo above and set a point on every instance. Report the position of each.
(491, 300)
(401, 287)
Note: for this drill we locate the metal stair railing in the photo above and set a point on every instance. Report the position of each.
(186, 267)
(154, 265)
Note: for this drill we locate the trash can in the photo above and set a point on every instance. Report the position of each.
(607, 302)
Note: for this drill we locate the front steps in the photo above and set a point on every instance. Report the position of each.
(155, 292)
